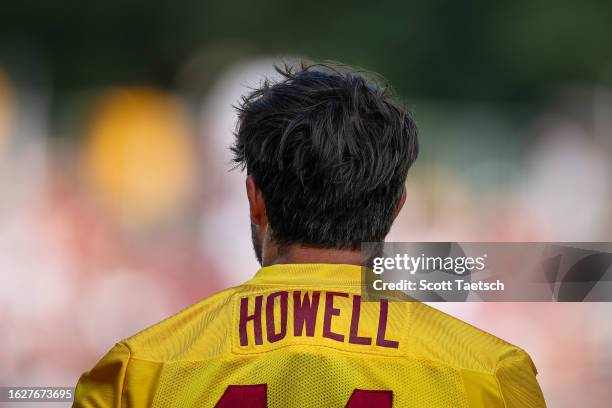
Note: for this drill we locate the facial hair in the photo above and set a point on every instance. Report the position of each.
(257, 246)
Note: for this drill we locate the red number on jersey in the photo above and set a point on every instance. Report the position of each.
(370, 398)
(244, 396)
(255, 396)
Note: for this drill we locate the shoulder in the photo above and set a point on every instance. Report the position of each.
(437, 336)
(482, 360)
(191, 332)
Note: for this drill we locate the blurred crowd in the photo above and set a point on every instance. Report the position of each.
(128, 211)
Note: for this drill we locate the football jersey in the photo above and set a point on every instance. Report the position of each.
(300, 335)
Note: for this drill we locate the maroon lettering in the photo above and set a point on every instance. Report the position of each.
(245, 318)
(354, 337)
(331, 311)
(253, 396)
(382, 327)
(272, 335)
(370, 399)
(305, 313)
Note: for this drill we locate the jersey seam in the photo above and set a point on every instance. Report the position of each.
(452, 366)
(493, 374)
(321, 346)
(311, 285)
(505, 360)
(465, 392)
(403, 356)
(501, 393)
(125, 374)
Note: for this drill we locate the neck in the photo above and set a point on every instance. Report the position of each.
(296, 254)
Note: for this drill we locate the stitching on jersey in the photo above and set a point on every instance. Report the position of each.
(516, 356)
(125, 374)
(479, 372)
(501, 393)
(245, 355)
(231, 330)
(301, 344)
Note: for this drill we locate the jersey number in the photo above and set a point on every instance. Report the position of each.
(256, 396)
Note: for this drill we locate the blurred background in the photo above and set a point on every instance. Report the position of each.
(118, 209)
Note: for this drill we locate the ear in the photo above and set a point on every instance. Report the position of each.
(400, 204)
(257, 206)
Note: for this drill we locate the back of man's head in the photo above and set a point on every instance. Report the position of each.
(330, 153)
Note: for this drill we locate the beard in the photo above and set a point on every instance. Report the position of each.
(257, 246)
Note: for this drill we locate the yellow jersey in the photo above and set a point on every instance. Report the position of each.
(300, 335)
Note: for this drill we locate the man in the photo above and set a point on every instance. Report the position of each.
(326, 154)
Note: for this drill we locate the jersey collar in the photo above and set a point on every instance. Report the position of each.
(308, 274)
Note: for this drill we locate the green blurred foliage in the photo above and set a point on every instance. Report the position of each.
(481, 50)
